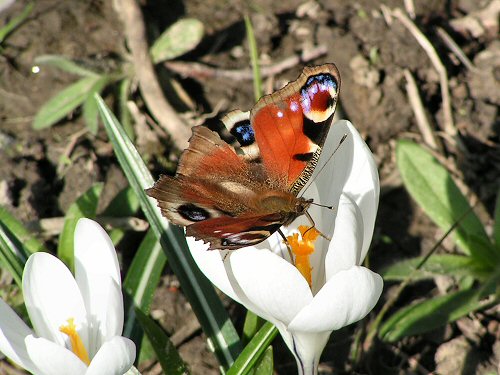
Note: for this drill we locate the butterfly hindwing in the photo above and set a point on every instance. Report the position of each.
(239, 130)
(229, 233)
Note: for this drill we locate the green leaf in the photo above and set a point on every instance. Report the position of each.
(254, 350)
(436, 265)
(65, 64)
(180, 38)
(484, 253)
(198, 290)
(265, 365)
(25, 239)
(84, 206)
(60, 105)
(496, 226)
(431, 314)
(432, 187)
(16, 21)
(124, 204)
(125, 118)
(251, 326)
(146, 351)
(141, 281)
(11, 256)
(169, 358)
(16, 245)
(491, 285)
(90, 111)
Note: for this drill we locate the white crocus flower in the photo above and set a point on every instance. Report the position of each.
(87, 307)
(263, 279)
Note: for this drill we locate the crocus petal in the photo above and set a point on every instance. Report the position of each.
(53, 359)
(115, 357)
(97, 274)
(273, 285)
(307, 349)
(346, 298)
(330, 174)
(211, 263)
(51, 296)
(351, 170)
(13, 332)
(109, 322)
(343, 250)
(363, 185)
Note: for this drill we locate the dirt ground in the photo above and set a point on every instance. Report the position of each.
(371, 49)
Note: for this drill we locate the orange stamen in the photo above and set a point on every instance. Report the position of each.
(303, 249)
(76, 341)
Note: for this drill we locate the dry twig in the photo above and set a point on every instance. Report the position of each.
(135, 34)
(410, 8)
(202, 71)
(449, 125)
(418, 109)
(457, 51)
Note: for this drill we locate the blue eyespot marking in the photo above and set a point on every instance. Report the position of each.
(315, 84)
(243, 132)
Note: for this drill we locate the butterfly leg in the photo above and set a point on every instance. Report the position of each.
(285, 241)
(313, 225)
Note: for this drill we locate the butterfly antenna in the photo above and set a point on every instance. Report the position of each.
(309, 183)
(323, 205)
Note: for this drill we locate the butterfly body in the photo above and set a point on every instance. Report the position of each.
(237, 194)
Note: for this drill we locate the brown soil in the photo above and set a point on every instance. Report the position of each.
(371, 56)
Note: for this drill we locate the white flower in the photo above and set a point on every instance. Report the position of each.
(88, 307)
(263, 279)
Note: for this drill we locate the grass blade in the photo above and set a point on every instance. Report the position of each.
(254, 57)
(198, 290)
(15, 22)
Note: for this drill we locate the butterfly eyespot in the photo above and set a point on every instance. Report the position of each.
(243, 132)
(318, 97)
(192, 212)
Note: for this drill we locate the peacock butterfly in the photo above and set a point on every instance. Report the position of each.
(237, 193)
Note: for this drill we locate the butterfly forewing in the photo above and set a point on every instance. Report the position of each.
(288, 128)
